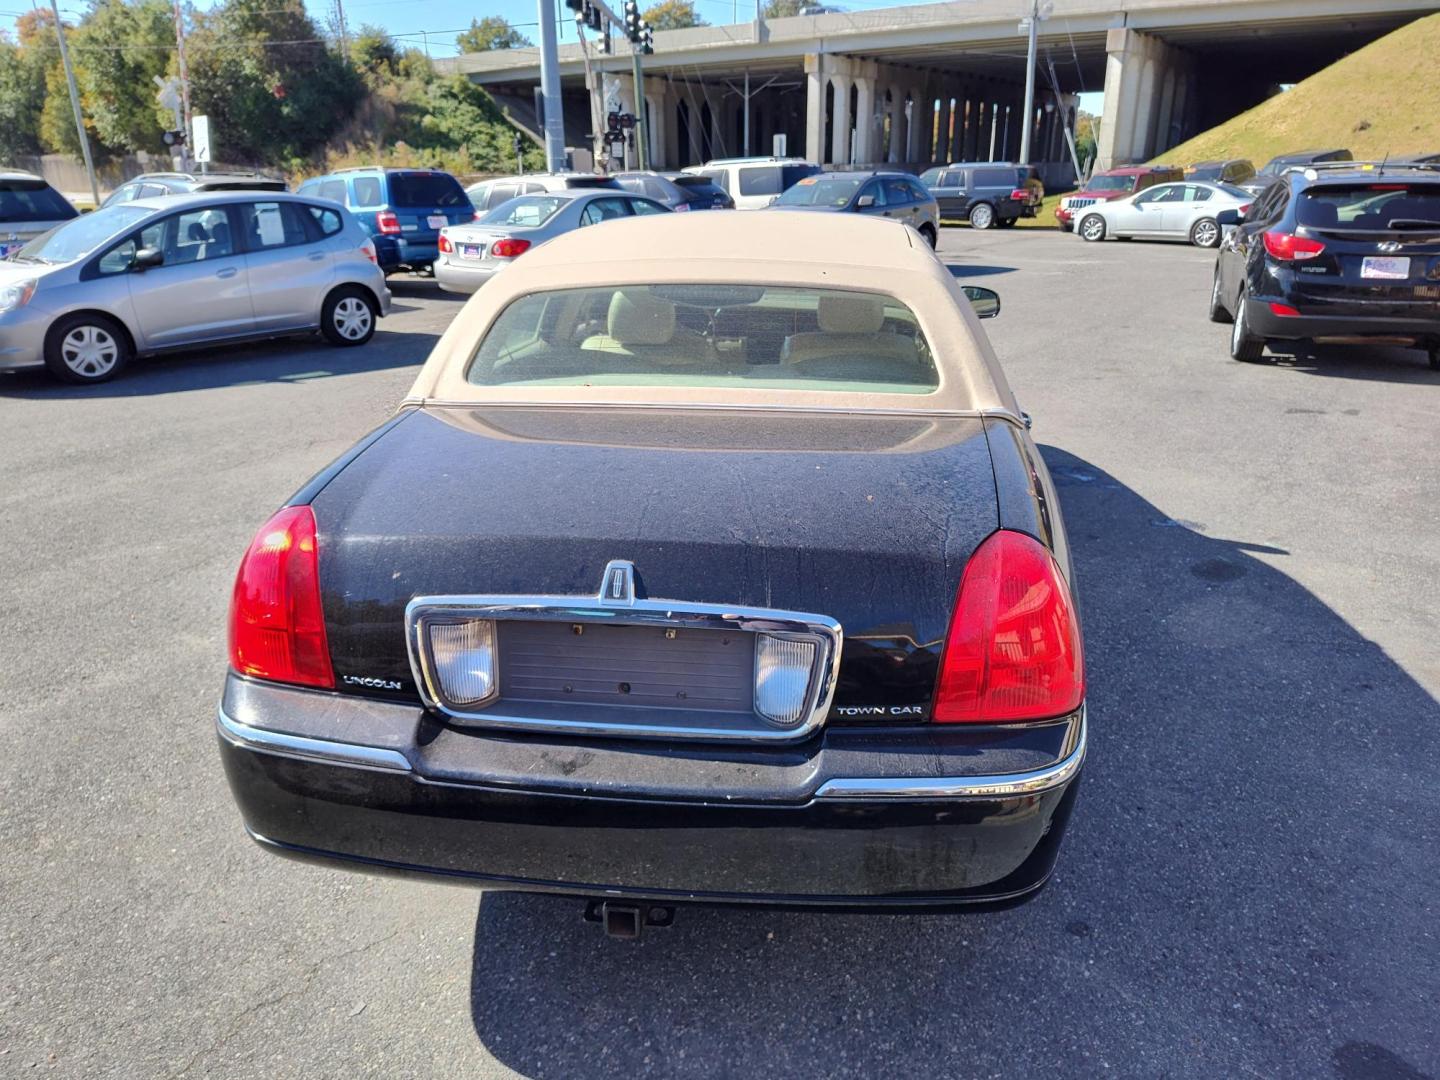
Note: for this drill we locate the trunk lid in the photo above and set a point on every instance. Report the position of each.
(866, 519)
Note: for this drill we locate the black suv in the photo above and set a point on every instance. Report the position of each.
(1344, 254)
(984, 193)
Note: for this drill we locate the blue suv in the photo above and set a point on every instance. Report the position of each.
(402, 209)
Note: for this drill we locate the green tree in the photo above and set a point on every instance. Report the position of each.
(121, 48)
(374, 50)
(274, 90)
(491, 32)
(22, 96)
(673, 15)
(783, 9)
(1085, 140)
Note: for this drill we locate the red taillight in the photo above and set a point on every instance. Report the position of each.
(1013, 651)
(445, 244)
(1292, 248)
(1284, 309)
(277, 626)
(509, 248)
(1243, 210)
(387, 222)
(368, 250)
(477, 215)
(1019, 194)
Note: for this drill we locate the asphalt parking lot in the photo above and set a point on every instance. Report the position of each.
(1247, 889)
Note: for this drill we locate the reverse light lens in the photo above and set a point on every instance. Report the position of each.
(1013, 652)
(463, 655)
(509, 248)
(16, 295)
(1291, 248)
(782, 678)
(277, 625)
(387, 221)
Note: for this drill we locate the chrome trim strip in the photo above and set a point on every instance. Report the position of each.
(691, 406)
(297, 746)
(963, 787)
(823, 630)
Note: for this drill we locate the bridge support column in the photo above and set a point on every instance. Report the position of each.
(896, 149)
(1141, 78)
(840, 119)
(814, 107)
(865, 115)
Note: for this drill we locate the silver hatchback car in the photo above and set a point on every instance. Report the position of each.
(177, 271)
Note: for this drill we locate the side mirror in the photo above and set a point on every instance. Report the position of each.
(865, 202)
(1228, 217)
(985, 302)
(147, 258)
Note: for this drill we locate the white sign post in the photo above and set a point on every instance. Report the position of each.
(778, 145)
(200, 140)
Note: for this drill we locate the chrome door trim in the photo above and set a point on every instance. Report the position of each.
(826, 632)
(307, 749)
(1002, 786)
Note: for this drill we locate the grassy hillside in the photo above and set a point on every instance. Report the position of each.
(1385, 98)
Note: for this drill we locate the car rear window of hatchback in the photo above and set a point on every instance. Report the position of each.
(722, 335)
(32, 200)
(1370, 206)
(426, 189)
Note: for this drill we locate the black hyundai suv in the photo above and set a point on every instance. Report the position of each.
(1338, 254)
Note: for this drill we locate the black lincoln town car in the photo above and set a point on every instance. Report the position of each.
(708, 560)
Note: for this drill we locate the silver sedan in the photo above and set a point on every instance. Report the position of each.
(1178, 211)
(177, 271)
(472, 254)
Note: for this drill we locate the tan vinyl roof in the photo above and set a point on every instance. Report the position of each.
(762, 247)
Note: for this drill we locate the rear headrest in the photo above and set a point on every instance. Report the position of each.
(637, 318)
(850, 314)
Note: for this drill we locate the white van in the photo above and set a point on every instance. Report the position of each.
(755, 182)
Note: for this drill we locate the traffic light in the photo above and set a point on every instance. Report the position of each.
(173, 138)
(632, 21)
(647, 41)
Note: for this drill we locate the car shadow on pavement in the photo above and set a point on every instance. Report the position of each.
(293, 359)
(1247, 888)
(422, 288)
(1392, 364)
(974, 270)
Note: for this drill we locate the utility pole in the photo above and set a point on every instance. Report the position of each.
(184, 82)
(549, 89)
(1027, 118)
(75, 104)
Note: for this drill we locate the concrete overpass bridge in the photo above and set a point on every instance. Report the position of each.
(945, 81)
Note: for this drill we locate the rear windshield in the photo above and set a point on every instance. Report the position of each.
(820, 191)
(83, 235)
(525, 212)
(1370, 206)
(702, 184)
(1111, 183)
(426, 189)
(732, 336)
(772, 179)
(32, 200)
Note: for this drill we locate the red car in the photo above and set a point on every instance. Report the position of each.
(1113, 184)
